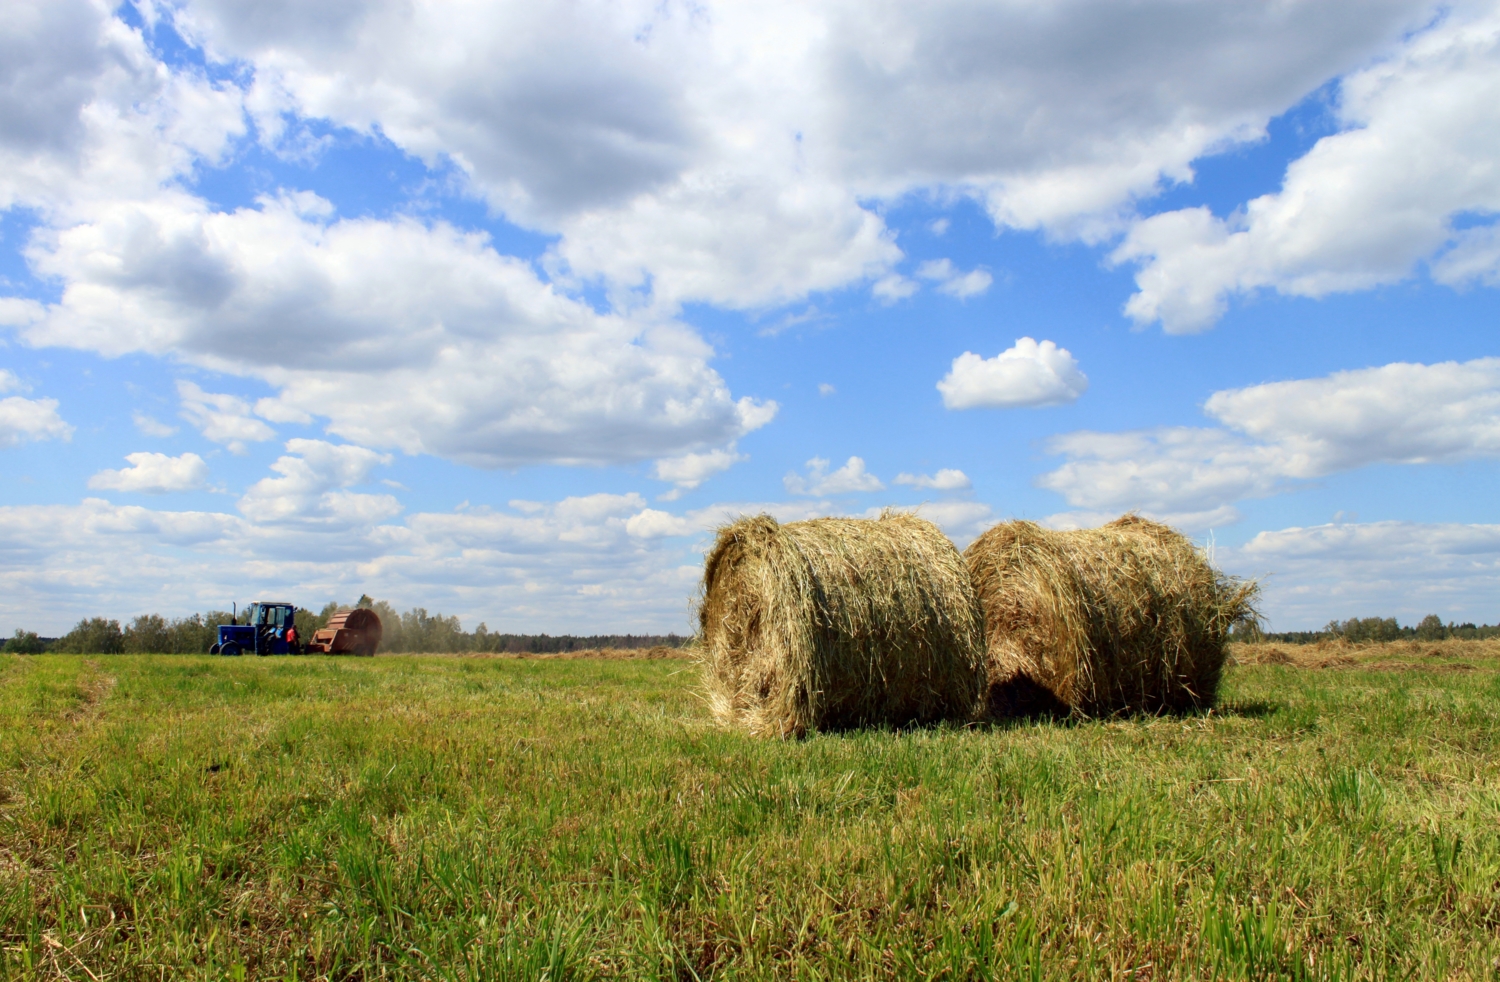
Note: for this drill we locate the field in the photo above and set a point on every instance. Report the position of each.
(170, 817)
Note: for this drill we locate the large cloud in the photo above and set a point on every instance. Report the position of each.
(552, 108)
(739, 154)
(401, 334)
(1364, 206)
(87, 114)
(668, 144)
(636, 129)
(1279, 433)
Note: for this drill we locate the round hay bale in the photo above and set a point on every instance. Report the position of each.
(1127, 617)
(838, 622)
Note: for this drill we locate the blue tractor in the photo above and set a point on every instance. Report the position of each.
(263, 633)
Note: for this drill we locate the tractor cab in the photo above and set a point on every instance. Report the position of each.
(263, 633)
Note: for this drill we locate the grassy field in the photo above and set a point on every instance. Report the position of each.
(172, 817)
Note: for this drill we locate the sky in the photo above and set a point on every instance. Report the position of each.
(500, 309)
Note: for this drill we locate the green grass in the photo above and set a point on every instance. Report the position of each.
(454, 818)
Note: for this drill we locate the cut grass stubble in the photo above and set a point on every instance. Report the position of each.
(483, 818)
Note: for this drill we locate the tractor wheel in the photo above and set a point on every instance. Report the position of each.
(230, 650)
(213, 649)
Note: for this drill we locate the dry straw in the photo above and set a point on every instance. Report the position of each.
(838, 622)
(1128, 617)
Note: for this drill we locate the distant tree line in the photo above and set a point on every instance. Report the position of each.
(415, 630)
(1356, 629)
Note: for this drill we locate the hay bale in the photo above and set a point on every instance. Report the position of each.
(1128, 617)
(838, 622)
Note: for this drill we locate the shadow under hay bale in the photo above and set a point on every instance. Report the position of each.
(1020, 697)
(1125, 618)
(838, 622)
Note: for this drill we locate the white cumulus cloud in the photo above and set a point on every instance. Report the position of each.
(1474, 259)
(1279, 433)
(154, 473)
(1407, 570)
(1401, 413)
(849, 479)
(150, 425)
(23, 420)
(946, 479)
(667, 143)
(565, 566)
(950, 281)
(1026, 374)
(687, 471)
(704, 239)
(312, 488)
(220, 417)
(399, 334)
(652, 524)
(893, 287)
(88, 114)
(1364, 206)
(19, 311)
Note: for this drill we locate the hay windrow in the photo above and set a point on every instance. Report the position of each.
(838, 622)
(1127, 617)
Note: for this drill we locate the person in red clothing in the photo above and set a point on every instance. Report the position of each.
(291, 639)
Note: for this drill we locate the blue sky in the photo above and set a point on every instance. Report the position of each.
(292, 305)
